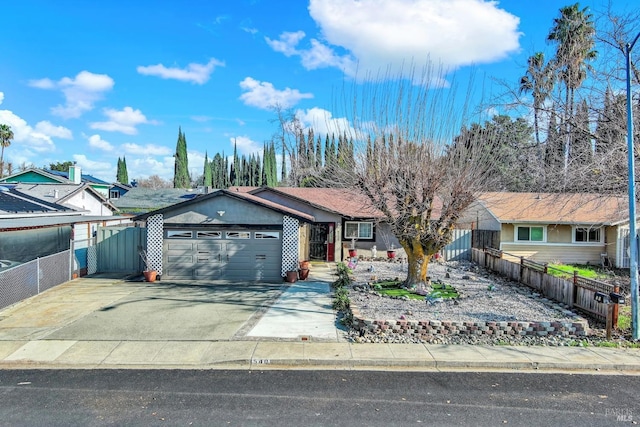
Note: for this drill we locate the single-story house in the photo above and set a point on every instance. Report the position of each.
(224, 235)
(44, 176)
(343, 219)
(33, 228)
(553, 227)
(80, 197)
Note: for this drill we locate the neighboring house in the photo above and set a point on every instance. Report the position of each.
(546, 227)
(224, 235)
(44, 176)
(118, 190)
(32, 228)
(139, 200)
(80, 197)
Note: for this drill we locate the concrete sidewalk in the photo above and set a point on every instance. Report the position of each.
(263, 347)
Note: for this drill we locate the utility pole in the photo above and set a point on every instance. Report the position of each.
(633, 235)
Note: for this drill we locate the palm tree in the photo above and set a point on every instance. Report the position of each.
(574, 34)
(6, 135)
(539, 80)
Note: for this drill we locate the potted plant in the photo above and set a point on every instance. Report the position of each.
(149, 273)
(352, 250)
(391, 250)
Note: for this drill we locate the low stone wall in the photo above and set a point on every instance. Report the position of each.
(428, 329)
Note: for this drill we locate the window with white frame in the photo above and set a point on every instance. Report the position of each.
(530, 233)
(114, 194)
(209, 235)
(587, 235)
(358, 230)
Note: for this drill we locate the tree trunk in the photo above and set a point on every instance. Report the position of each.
(418, 262)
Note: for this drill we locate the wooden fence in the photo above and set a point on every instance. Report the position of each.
(577, 292)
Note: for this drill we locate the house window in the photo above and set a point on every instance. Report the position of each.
(114, 194)
(587, 235)
(530, 234)
(358, 230)
(266, 235)
(209, 235)
(179, 234)
(238, 235)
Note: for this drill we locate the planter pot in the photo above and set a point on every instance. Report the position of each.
(391, 254)
(304, 264)
(150, 276)
(303, 273)
(353, 253)
(291, 277)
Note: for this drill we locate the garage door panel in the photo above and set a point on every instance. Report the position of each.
(180, 273)
(179, 246)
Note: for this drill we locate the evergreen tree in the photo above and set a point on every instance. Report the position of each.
(181, 177)
(125, 173)
(283, 172)
(237, 172)
(319, 154)
(207, 179)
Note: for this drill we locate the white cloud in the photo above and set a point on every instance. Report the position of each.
(144, 167)
(148, 149)
(385, 34)
(80, 92)
(264, 95)
(124, 121)
(97, 169)
(287, 42)
(246, 145)
(95, 141)
(323, 122)
(25, 136)
(1, 97)
(49, 129)
(194, 73)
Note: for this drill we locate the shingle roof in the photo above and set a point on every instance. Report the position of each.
(556, 208)
(147, 198)
(345, 202)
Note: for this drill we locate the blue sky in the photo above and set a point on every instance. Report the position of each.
(91, 81)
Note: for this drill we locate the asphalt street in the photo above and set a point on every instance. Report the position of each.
(314, 398)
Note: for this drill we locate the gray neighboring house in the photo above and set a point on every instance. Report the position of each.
(224, 235)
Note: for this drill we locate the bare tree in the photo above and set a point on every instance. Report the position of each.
(154, 182)
(406, 162)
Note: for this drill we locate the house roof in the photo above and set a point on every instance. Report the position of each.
(16, 204)
(53, 176)
(60, 193)
(556, 208)
(7, 224)
(241, 196)
(149, 199)
(345, 202)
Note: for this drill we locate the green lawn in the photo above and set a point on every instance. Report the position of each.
(587, 271)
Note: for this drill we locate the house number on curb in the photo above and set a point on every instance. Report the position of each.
(261, 361)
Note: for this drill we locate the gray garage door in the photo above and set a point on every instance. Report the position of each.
(242, 255)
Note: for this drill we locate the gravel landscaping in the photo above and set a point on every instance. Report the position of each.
(485, 297)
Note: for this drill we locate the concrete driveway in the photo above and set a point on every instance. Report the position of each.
(103, 308)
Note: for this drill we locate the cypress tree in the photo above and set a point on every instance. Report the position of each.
(319, 153)
(125, 173)
(181, 177)
(119, 171)
(284, 167)
(236, 167)
(207, 180)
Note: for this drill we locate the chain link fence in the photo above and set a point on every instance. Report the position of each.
(31, 278)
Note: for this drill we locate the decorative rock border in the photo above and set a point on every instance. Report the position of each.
(428, 329)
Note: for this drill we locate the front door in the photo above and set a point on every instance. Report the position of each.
(321, 241)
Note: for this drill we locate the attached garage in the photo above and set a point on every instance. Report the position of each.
(231, 254)
(224, 235)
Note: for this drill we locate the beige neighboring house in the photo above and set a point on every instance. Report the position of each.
(548, 227)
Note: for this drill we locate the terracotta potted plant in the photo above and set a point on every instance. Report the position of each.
(352, 250)
(149, 273)
(391, 252)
